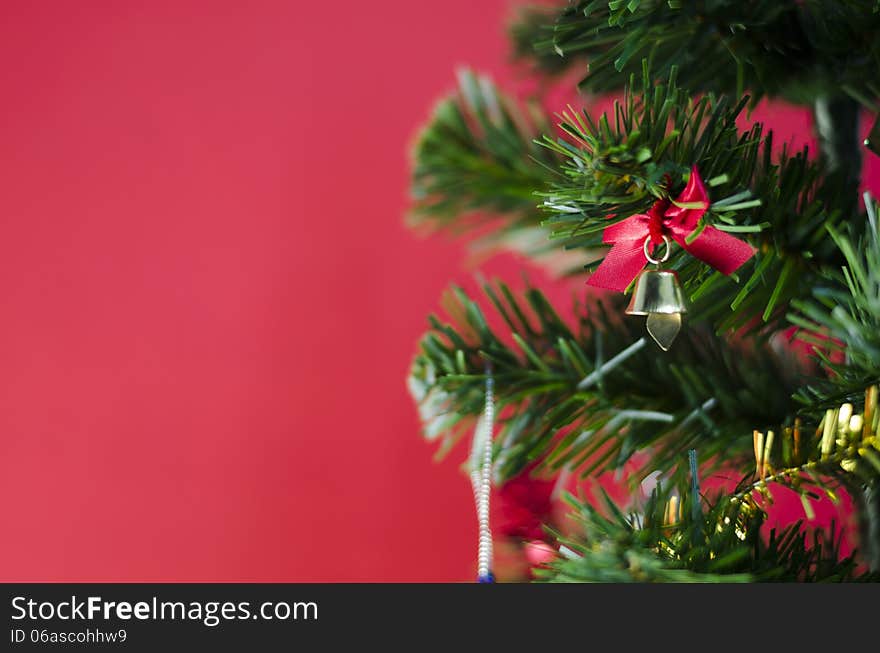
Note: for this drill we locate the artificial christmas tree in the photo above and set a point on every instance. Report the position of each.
(763, 250)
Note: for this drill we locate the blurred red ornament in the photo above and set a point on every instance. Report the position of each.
(524, 505)
(539, 553)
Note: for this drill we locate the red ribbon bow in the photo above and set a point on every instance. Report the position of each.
(626, 258)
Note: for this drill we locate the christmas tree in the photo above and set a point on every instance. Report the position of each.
(756, 367)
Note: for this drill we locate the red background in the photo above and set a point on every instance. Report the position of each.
(209, 298)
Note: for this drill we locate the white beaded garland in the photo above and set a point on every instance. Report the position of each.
(481, 479)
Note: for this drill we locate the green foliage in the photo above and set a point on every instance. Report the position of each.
(475, 161)
(798, 50)
(617, 166)
(588, 399)
(477, 157)
(720, 543)
(845, 313)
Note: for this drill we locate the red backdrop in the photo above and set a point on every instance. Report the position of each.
(209, 299)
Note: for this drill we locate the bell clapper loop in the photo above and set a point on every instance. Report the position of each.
(650, 258)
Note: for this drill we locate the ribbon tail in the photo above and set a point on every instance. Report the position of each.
(722, 251)
(622, 264)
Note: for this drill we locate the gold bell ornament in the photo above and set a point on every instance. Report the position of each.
(658, 295)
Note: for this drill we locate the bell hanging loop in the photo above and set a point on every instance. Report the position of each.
(656, 261)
